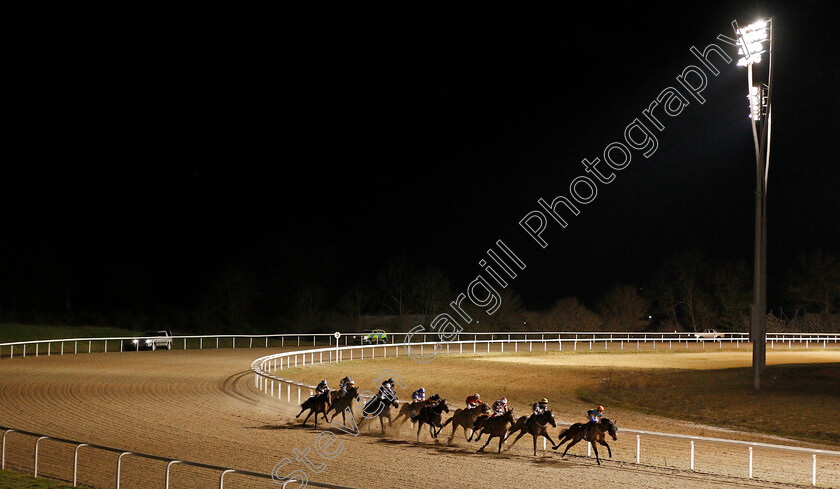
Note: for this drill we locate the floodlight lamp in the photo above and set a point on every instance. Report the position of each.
(761, 24)
(755, 58)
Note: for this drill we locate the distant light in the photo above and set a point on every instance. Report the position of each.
(751, 39)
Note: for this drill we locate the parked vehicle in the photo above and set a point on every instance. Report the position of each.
(709, 334)
(152, 340)
(373, 336)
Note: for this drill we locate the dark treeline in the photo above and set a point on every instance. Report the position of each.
(690, 292)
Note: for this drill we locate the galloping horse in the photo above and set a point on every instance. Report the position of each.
(383, 407)
(466, 418)
(537, 427)
(409, 410)
(340, 404)
(317, 405)
(591, 433)
(431, 415)
(496, 426)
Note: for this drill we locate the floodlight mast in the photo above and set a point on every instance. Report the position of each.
(752, 40)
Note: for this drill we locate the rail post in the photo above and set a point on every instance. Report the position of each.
(169, 466)
(638, 447)
(813, 469)
(692, 454)
(751, 462)
(3, 457)
(119, 464)
(222, 478)
(38, 442)
(76, 462)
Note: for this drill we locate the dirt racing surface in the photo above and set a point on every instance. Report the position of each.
(203, 406)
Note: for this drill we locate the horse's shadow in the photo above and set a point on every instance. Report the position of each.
(285, 426)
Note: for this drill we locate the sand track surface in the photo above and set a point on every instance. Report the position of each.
(202, 405)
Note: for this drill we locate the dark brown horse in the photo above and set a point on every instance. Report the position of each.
(466, 418)
(431, 415)
(537, 427)
(496, 426)
(339, 403)
(379, 408)
(592, 433)
(409, 410)
(316, 405)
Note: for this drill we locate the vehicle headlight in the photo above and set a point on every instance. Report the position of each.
(134, 341)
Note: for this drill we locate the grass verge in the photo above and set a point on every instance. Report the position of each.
(13, 480)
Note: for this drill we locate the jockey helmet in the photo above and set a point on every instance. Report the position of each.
(600, 408)
(422, 390)
(476, 396)
(544, 401)
(504, 400)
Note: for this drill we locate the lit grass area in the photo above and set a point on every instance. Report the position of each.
(713, 387)
(13, 480)
(11, 332)
(793, 401)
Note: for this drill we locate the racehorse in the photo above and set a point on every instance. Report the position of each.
(340, 404)
(409, 410)
(591, 433)
(317, 405)
(431, 415)
(466, 418)
(382, 407)
(537, 427)
(496, 426)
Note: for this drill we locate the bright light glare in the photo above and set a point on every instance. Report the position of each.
(754, 48)
(761, 24)
(755, 58)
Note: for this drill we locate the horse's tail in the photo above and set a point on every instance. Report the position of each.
(447, 421)
(564, 433)
(415, 418)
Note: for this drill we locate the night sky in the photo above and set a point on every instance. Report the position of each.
(152, 148)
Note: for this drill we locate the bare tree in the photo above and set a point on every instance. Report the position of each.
(398, 284)
(623, 309)
(353, 302)
(433, 291)
(815, 284)
(571, 314)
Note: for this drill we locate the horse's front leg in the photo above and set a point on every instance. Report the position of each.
(603, 442)
(301, 412)
(488, 442)
(595, 449)
(545, 434)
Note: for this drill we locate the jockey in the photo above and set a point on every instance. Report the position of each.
(539, 407)
(346, 384)
(419, 395)
(434, 399)
(387, 392)
(500, 407)
(322, 388)
(473, 400)
(595, 415)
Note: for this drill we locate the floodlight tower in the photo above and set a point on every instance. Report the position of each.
(756, 40)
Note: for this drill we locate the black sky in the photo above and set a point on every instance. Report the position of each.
(154, 147)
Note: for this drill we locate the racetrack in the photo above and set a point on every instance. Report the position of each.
(202, 405)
